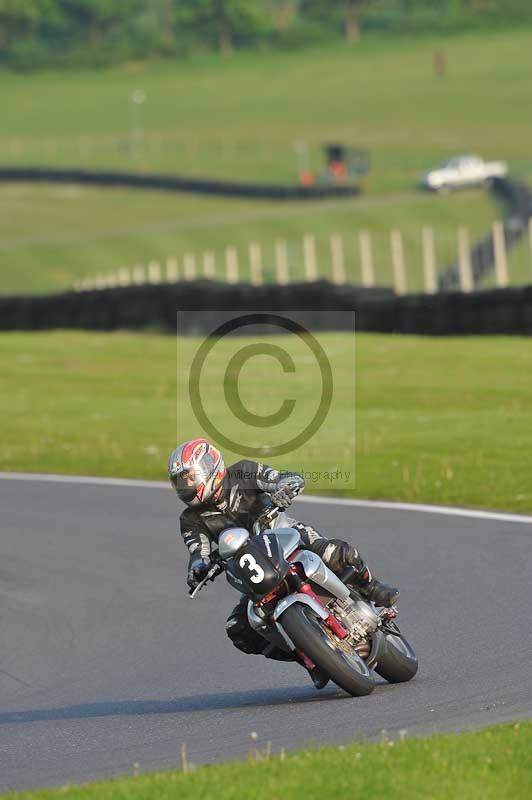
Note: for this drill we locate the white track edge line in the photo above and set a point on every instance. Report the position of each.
(41, 477)
(388, 505)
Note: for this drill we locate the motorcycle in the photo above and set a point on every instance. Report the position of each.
(300, 606)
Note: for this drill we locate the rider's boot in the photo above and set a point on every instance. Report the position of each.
(319, 678)
(341, 556)
(379, 593)
(375, 591)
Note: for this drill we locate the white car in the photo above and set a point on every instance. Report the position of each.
(463, 171)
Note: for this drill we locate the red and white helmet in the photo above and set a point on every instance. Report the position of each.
(196, 469)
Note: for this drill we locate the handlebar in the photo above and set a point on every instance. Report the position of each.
(265, 517)
(213, 573)
(268, 515)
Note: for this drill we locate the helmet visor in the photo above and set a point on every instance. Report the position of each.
(190, 481)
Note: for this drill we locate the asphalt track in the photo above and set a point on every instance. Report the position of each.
(106, 663)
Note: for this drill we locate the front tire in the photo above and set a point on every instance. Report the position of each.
(399, 663)
(342, 665)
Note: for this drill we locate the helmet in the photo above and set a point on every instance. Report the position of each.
(196, 469)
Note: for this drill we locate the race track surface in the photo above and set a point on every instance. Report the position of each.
(105, 662)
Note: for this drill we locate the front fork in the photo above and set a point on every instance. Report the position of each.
(331, 622)
(300, 591)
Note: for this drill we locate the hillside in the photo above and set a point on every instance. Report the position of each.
(239, 118)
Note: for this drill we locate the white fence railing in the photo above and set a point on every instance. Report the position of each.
(234, 264)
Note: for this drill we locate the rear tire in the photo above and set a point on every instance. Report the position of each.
(309, 634)
(399, 663)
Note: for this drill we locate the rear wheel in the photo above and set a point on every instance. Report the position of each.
(399, 663)
(331, 654)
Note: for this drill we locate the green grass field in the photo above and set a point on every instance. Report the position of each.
(52, 235)
(437, 420)
(493, 764)
(239, 118)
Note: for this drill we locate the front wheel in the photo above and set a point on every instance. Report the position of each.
(398, 664)
(337, 659)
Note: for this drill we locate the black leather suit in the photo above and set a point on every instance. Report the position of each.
(244, 487)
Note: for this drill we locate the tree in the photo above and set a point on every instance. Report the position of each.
(222, 22)
(283, 12)
(98, 17)
(165, 15)
(348, 12)
(18, 18)
(353, 10)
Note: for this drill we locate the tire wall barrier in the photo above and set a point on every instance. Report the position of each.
(518, 201)
(174, 183)
(497, 311)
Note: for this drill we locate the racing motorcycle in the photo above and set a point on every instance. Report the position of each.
(299, 605)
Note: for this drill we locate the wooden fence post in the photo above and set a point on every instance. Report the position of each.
(138, 274)
(499, 251)
(172, 271)
(398, 261)
(337, 258)
(429, 260)
(124, 276)
(309, 255)
(154, 272)
(255, 263)
(281, 262)
(189, 267)
(366, 259)
(209, 265)
(231, 265)
(464, 260)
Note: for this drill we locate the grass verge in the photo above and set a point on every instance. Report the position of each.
(493, 764)
(52, 235)
(445, 420)
(240, 116)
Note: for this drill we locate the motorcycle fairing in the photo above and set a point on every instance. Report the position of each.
(259, 566)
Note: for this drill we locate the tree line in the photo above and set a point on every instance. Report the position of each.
(35, 33)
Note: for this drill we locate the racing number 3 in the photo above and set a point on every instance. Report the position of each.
(257, 573)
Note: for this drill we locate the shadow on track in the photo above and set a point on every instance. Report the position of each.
(179, 705)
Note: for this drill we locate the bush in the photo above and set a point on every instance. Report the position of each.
(37, 33)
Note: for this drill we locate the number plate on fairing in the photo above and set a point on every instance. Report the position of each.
(259, 566)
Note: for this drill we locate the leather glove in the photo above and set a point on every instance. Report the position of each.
(197, 569)
(287, 488)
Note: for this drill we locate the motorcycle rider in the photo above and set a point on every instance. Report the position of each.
(217, 498)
